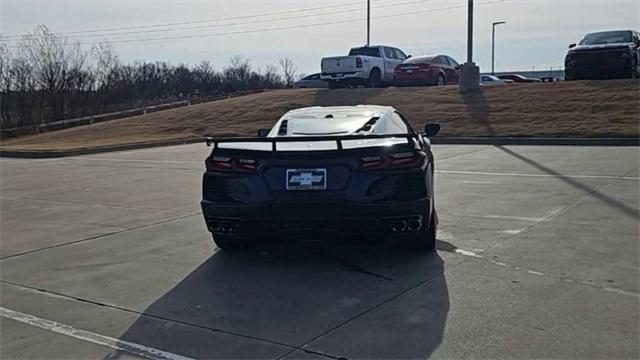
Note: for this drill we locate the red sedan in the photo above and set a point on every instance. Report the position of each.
(428, 70)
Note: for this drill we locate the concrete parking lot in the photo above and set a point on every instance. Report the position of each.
(107, 256)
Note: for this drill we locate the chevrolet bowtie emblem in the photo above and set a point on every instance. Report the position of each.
(306, 178)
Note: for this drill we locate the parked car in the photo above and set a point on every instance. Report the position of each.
(493, 80)
(600, 55)
(310, 81)
(324, 170)
(519, 78)
(371, 66)
(428, 70)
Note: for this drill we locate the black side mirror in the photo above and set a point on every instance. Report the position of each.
(457, 67)
(263, 132)
(431, 130)
(409, 56)
(571, 46)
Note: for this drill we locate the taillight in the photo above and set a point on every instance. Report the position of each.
(398, 69)
(396, 160)
(219, 163)
(358, 62)
(424, 67)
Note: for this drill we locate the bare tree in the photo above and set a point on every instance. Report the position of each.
(105, 75)
(51, 61)
(271, 76)
(24, 91)
(5, 85)
(288, 70)
(47, 79)
(238, 73)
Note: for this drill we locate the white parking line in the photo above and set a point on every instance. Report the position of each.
(612, 177)
(538, 273)
(121, 345)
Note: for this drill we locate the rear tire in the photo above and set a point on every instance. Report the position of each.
(230, 243)
(375, 79)
(440, 81)
(424, 240)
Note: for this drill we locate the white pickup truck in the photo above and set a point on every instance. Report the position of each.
(371, 66)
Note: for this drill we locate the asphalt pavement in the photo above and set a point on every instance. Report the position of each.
(107, 256)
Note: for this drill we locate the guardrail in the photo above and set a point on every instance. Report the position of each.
(91, 119)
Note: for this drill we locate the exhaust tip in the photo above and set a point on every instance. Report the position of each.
(414, 225)
(399, 226)
(222, 225)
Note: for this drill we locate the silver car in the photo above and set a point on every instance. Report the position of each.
(493, 80)
(311, 81)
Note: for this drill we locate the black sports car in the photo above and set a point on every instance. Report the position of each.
(323, 170)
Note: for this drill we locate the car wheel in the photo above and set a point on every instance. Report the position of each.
(230, 243)
(634, 69)
(375, 79)
(423, 240)
(333, 85)
(440, 81)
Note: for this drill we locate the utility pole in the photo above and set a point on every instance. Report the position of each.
(469, 72)
(493, 45)
(470, 32)
(368, 22)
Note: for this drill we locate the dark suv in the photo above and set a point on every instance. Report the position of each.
(602, 55)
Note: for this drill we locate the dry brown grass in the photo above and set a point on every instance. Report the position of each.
(566, 109)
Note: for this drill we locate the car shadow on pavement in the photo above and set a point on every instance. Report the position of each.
(346, 300)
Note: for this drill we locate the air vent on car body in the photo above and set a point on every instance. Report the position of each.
(283, 128)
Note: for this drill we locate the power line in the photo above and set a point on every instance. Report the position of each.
(202, 21)
(281, 28)
(234, 24)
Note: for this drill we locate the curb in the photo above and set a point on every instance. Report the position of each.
(46, 154)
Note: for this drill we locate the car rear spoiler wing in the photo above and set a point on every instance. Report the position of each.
(338, 139)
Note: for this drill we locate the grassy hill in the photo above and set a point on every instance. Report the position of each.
(564, 109)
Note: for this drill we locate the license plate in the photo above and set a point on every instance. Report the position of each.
(339, 75)
(306, 179)
(409, 71)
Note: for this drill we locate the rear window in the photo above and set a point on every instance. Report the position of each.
(607, 37)
(419, 59)
(324, 126)
(365, 51)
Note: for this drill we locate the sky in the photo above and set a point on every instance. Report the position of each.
(536, 34)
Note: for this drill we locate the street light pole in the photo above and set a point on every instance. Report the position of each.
(368, 22)
(493, 45)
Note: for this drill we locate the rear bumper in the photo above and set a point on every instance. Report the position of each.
(346, 77)
(417, 79)
(318, 217)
